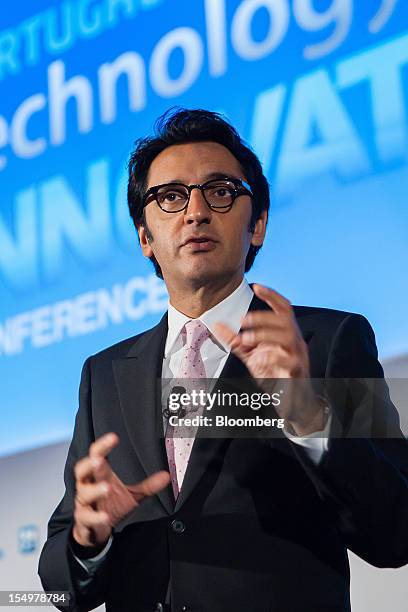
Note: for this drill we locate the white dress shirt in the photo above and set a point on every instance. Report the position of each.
(214, 353)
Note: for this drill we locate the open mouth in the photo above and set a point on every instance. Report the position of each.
(200, 244)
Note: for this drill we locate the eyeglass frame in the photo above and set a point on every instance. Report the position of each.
(241, 187)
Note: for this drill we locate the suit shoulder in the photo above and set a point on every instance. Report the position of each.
(347, 335)
(316, 316)
(120, 349)
(117, 350)
(330, 320)
(325, 314)
(320, 311)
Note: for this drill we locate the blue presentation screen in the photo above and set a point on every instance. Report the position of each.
(317, 87)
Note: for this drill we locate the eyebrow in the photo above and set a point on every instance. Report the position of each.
(210, 176)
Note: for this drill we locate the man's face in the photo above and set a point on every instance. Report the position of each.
(175, 244)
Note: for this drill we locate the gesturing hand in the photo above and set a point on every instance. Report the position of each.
(272, 347)
(102, 499)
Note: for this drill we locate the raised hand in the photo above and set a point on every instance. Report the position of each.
(271, 346)
(102, 499)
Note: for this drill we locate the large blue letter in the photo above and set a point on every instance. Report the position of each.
(64, 220)
(316, 107)
(19, 256)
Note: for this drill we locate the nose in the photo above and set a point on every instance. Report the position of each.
(197, 210)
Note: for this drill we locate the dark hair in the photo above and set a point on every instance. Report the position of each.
(179, 126)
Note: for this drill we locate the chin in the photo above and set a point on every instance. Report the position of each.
(205, 274)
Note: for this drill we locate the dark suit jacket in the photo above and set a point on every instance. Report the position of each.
(257, 526)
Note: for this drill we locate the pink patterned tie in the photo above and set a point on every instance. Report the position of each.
(179, 440)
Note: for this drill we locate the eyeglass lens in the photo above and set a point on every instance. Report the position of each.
(218, 194)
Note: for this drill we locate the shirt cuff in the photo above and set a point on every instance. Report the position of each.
(94, 562)
(316, 443)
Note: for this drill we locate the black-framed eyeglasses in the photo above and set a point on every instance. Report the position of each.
(220, 194)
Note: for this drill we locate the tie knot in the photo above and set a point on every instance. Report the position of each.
(195, 333)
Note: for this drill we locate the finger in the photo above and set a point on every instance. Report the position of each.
(151, 485)
(102, 470)
(88, 494)
(84, 470)
(91, 469)
(91, 518)
(225, 333)
(94, 466)
(260, 318)
(274, 299)
(274, 358)
(233, 340)
(103, 445)
(276, 337)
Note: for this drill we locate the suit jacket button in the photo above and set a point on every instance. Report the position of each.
(178, 526)
(158, 607)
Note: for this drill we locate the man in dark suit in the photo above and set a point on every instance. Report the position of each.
(204, 522)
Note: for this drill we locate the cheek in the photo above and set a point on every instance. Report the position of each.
(165, 237)
(242, 234)
(159, 227)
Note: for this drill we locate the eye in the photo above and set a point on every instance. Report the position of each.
(171, 196)
(168, 195)
(220, 190)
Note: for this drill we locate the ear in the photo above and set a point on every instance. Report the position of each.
(144, 242)
(260, 229)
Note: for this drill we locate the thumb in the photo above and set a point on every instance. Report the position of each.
(227, 335)
(150, 486)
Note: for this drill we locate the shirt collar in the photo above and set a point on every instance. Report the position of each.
(230, 311)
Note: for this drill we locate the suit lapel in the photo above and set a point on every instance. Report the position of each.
(137, 379)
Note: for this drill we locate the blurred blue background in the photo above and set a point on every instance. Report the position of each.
(317, 87)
